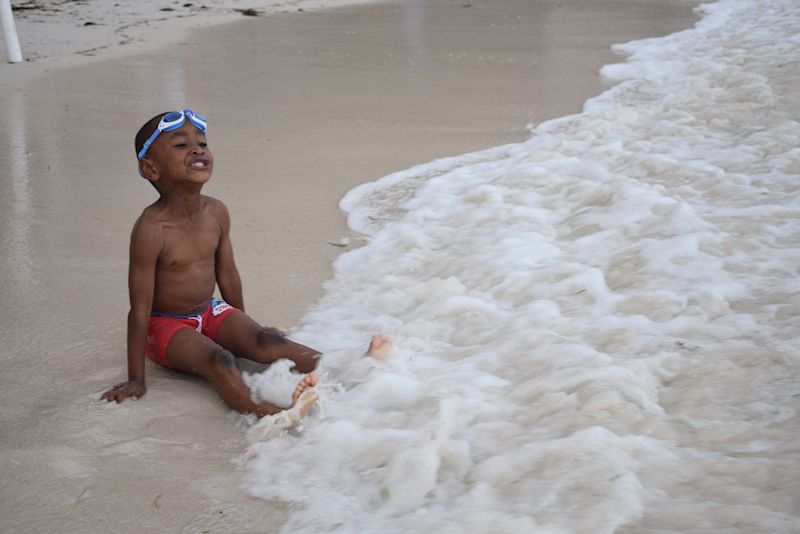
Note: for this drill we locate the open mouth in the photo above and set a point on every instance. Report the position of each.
(200, 163)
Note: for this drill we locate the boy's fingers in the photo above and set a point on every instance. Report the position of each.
(120, 392)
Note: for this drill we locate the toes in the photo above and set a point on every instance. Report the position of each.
(308, 381)
(374, 342)
(306, 401)
(304, 385)
(379, 346)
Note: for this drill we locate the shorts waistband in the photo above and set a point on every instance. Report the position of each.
(213, 303)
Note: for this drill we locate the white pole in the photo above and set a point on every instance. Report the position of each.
(10, 32)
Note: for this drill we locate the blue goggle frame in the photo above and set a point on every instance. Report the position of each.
(172, 121)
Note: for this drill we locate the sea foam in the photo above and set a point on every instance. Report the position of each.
(595, 330)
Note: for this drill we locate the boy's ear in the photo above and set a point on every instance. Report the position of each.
(149, 169)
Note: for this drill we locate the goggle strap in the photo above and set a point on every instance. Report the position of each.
(147, 144)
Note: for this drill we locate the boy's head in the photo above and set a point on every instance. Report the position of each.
(172, 147)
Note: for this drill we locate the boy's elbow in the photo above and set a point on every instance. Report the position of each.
(228, 280)
(138, 313)
(235, 281)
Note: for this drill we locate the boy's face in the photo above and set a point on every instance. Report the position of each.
(181, 155)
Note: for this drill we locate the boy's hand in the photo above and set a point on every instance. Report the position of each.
(120, 392)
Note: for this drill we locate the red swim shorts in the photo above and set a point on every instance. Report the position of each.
(163, 326)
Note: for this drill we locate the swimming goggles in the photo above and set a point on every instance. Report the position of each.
(172, 121)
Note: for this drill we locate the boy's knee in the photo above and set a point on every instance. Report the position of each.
(221, 359)
(270, 337)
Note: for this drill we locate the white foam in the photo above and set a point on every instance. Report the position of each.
(597, 329)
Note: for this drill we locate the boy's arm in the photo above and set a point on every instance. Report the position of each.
(228, 280)
(146, 245)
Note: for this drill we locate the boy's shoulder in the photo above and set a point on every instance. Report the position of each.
(217, 209)
(151, 216)
(213, 203)
(151, 211)
(149, 225)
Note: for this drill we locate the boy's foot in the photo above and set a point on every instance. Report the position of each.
(379, 346)
(303, 399)
(304, 395)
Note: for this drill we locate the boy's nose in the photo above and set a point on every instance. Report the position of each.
(197, 149)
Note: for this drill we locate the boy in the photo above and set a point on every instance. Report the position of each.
(180, 249)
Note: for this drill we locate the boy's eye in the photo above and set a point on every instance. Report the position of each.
(204, 145)
(180, 145)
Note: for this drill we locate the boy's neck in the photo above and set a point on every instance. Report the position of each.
(182, 202)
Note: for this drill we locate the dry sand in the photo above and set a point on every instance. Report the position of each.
(303, 107)
(60, 29)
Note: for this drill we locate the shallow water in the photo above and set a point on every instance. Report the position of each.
(596, 330)
(73, 463)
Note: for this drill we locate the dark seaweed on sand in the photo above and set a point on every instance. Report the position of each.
(32, 6)
(248, 12)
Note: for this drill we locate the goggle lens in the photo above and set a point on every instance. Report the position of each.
(170, 118)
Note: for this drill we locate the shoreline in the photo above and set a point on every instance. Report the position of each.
(303, 107)
(55, 34)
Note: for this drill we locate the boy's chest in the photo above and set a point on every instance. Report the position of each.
(185, 244)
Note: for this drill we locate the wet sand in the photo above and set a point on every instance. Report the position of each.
(303, 107)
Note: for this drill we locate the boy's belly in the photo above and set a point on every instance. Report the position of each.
(183, 293)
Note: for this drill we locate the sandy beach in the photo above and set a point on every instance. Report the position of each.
(303, 106)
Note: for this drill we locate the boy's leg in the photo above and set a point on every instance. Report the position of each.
(191, 352)
(244, 337)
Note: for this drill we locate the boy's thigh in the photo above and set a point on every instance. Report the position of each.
(239, 334)
(192, 352)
